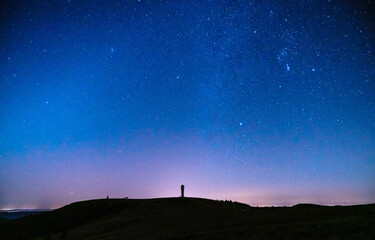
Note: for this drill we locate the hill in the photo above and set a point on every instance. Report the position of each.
(192, 218)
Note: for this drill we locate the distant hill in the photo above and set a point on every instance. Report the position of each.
(18, 213)
(306, 205)
(192, 218)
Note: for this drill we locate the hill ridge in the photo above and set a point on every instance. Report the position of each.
(191, 218)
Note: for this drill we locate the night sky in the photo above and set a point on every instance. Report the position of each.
(263, 102)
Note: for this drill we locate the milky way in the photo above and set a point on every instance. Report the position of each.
(263, 102)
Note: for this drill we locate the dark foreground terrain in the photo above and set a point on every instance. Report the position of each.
(192, 218)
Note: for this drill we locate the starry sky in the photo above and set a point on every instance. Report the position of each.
(263, 102)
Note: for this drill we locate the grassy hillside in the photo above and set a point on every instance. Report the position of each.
(192, 218)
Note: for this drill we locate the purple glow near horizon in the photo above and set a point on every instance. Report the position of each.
(265, 103)
(137, 170)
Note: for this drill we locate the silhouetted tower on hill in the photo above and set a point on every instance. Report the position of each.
(182, 190)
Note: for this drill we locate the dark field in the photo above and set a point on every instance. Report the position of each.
(192, 218)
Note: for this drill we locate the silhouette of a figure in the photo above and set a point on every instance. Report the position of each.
(182, 190)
